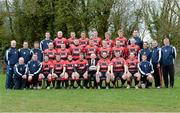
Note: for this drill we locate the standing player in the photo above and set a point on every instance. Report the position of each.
(60, 40)
(25, 52)
(20, 74)
(11, 59)
(105, 49)
(137, 39)
(145, 50)
(44, 43)
(119, 49)
(76, 49)
(103, 71)
(96, 39)
(37, 51)
(155, 60)
(168, 56)
(133, 48)
(110, 43)
(34, 69)
(121, 38)
(132, 71)
(83, 41)
(50, 52)
(63, 52)
(59, 71)
(146, 71)
(118, 69)
(81, 67)
(90, 49)
(72, 38)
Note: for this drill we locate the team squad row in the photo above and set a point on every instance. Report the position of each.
(68, 60)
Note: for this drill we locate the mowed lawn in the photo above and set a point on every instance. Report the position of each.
(124, 100)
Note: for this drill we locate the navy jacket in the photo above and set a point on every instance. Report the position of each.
(39, 54)
(145, 67)
(147, 52)
(20, 69)
(156, 55)
(34, 67)
(44, 44)
(26, 54)
(168, 55)
(11, 57)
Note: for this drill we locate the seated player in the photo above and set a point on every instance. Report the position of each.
(70, 69)
(59, 71)
(60, 40)
(46, 72)
(146, 70)
(103, 71)
(76, 49)
(20, 74)
(89, 49)
(132, 71)
(118, 69)
(133, 48)
(50, 52)
(83, 41)
(63, 52)
(34, 69)
(81, 71)
(92, 65)
(119, 49)
(104, 49)
(121, 38)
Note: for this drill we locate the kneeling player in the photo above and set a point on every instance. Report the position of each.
(58, 71)
(146, 70)
(81, 68)
(46, 72)
(20, 76)
(118, 68)
(103, 68)
(132, 71)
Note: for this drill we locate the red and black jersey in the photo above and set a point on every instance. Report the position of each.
(133, 49)
(64, 53)
(75, 51)
(132, 65)
(103, 63)
(89, 50)
(110, 43)
(46, 67)
(81, 66)
(97, 41)
(107, 50)
(118, 64)
(58, 66)
(122, 50)
(71, 41)
(50, 53)
(70, 65)
(83, 42)
(58, 41)
(122, 40)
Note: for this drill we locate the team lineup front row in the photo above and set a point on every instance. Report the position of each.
(72, 61)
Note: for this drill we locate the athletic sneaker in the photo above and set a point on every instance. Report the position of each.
(136, 87)
(107, 87)
(128, 87)
(98, 87)
(158, 87)
(48, 87)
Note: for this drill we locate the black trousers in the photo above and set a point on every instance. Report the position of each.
(168, 73)
(156, 75)
(19, 82)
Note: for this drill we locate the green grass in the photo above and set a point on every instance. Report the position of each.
(165, 100)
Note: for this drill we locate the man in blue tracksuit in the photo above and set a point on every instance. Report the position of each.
(146, 70)
(25, 52)
(168, 56)
(145, 50)
(137, 39)
(37, 51)
(11, 58)
(45, 42)
(34, 69)
(155, 60)
(20, 74)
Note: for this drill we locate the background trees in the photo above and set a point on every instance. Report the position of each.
(30, 19)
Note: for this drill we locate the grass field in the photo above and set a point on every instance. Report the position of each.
(81, 100)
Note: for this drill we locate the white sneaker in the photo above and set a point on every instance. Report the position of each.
(128, 87)
(48, 87)
(39, 87)
(136, 87)
(107, 87)
(143, 86)
(158, 87)
(99, 87)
